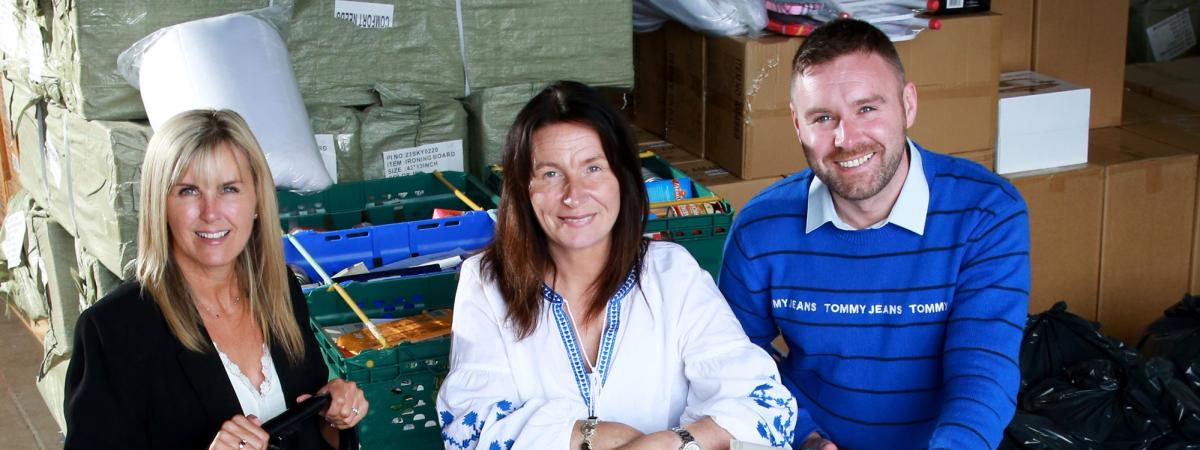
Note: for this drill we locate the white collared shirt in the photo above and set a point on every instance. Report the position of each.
(908, 212)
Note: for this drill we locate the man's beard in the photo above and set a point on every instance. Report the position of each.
(878, 179)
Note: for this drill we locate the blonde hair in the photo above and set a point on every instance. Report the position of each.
(190, 139)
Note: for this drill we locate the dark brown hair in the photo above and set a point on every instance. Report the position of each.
(518, 259)
(843, 37)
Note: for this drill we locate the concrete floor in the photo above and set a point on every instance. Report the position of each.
(25, 422)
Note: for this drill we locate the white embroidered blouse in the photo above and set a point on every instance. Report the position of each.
(670, 353)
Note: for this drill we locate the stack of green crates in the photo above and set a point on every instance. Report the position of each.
(401, 381)
(703, 236)
(378, 202)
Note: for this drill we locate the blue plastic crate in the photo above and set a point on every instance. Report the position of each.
(379, 245)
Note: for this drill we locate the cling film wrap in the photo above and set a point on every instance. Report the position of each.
(51, 380)
(491, 113)
(24, 43)
(104, 160)
(713, 17)
(339, 128)
(390, 128)
(340, 50)
(507, 42)
(94, 280)
(22, 284)
(23, 106)
(57, 249)
(87, 36)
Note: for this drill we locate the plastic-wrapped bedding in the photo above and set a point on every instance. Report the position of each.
(238, 62)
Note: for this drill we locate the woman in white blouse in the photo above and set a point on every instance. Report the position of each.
(571, 330)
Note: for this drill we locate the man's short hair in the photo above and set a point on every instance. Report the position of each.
(843, 37)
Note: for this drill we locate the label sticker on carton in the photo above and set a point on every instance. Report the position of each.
(1172, 36)
(443, 156)
(364, 14)
(14, 238)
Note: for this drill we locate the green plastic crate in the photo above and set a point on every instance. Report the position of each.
(703, 236)
(401, 381)
(378, 202)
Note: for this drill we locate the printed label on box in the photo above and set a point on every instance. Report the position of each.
(33, 49)
(14, 238)
(1172, 36)
(426, 158)
(328, 152)
(365, 15)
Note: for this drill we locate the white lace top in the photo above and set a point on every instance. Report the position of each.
(265, 401)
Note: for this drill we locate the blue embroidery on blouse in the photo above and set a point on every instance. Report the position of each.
(781, 431)
(474, 425)
(607, 339)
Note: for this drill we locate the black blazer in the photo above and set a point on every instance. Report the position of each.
(132, 385)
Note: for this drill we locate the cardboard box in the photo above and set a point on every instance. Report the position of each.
(749, 127)
(650, 80)
(1016, 34)
(1083, 41)
(733, 189)
(1182, 132)
(683, 123)
(956, 70)
(1161, 30)
(748, 124)
(1175, 82)
(985, 157)
(645, 139)
(1139, 108)
(1065, 210)
(672, 153)
(1147, 228)
(1042, 123)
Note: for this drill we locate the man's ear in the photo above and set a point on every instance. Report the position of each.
(909, 97)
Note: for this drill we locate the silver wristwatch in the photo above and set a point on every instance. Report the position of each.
(689, 442)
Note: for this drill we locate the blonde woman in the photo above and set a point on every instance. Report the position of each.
(209, 341)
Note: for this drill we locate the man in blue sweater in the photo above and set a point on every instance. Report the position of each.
(899, 278)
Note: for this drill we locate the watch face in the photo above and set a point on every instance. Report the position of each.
(690, 446)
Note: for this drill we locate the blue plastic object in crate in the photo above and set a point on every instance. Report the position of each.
(384, 244)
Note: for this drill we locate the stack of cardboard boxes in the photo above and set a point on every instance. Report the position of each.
(1113, 233)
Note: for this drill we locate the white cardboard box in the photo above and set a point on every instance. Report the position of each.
(1042, 122)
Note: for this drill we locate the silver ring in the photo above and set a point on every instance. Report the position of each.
(242, 443)
(355, 411)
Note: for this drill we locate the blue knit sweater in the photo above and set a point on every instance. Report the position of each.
(896, 340)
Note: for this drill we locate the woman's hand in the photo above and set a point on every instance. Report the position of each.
(240, 432)
(609, 435)
(347, 405)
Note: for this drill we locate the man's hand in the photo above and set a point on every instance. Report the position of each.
(816, 442)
